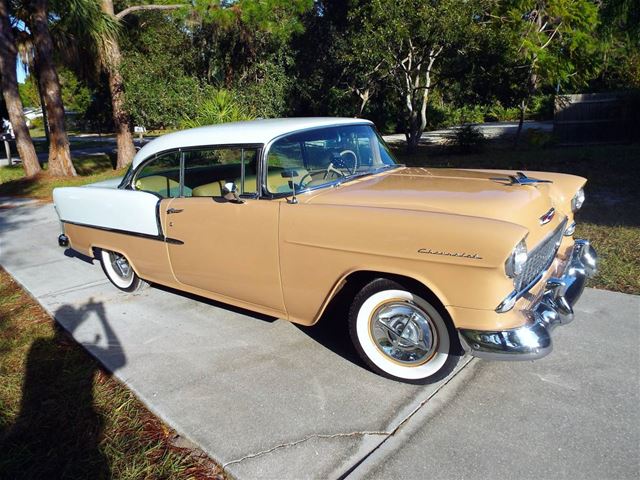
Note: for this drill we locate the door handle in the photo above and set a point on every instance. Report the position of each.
(174, 210)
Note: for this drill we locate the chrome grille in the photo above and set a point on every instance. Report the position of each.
(540, 258)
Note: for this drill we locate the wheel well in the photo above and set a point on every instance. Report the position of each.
(357, 280)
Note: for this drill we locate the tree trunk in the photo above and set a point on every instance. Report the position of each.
(523, 110)
(59, 154)
(532, 85)
(8, 55)
(121, 118)
(45, 120)
(364, 98)
(433, 55)
(414, 133)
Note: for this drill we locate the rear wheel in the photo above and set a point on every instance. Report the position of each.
(401, 335)
(119, 271)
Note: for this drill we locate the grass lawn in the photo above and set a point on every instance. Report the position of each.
(610, 217)
(42, 147)
(63, 416)
(90, 168)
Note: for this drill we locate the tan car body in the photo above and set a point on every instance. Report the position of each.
(450, 230)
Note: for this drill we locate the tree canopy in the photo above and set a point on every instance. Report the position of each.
(409, 65)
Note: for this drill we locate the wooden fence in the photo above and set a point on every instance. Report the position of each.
(591, 118)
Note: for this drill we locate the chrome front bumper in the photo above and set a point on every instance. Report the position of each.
(553, 308)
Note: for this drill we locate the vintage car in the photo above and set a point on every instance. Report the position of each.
(280, 216)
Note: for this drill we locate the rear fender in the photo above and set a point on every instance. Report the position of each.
(126, 211)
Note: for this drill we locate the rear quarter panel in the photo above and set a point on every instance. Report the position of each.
(124, 210)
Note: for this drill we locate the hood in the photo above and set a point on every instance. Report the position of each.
(461, 192)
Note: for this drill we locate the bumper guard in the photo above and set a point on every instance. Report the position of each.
(553, 308)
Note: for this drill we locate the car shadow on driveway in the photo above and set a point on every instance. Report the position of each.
(331, 331)
(57, 432)
(215, 303)
(70, 253)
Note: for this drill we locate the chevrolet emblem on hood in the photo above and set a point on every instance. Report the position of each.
(546, 218)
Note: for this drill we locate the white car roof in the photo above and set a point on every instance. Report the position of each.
(235, 133)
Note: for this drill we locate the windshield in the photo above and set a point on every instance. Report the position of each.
(325, 156)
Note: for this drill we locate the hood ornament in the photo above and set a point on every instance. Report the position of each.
(548, 216)
(520, 179)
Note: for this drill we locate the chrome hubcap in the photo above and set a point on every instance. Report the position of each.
(120, 265)
(404, 332)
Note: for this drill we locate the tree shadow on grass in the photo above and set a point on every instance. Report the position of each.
(57, 432)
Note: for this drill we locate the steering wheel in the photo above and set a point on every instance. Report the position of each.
(330, 170)
(339, 161)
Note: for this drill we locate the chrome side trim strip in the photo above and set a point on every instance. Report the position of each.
(160, 238)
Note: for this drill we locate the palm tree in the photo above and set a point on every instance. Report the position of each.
(74, 32)
(9, 84)
(91, 28)
(112, 58)
(60, 163)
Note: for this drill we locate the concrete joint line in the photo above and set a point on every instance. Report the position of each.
(387, 434)
(435, 392)
(297, 442)
(407, 418)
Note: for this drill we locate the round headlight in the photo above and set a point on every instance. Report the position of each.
(577, 200)
(517, 259)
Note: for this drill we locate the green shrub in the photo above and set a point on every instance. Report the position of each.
(466, 139)
(537, 138)
(541, 107)
(37, 122)
(498, 113)
(265, 90)
(220, 106)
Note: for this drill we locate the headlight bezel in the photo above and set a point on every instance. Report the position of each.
(514, 265)
(578, 200)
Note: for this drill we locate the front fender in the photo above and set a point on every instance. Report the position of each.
(460, 258)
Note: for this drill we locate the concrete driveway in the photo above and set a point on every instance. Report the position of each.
(267, 399)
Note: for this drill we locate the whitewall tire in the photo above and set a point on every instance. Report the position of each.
(401, 335)
(119, 271)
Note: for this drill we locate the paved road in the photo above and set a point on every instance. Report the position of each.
(491, 131)
(270, 400)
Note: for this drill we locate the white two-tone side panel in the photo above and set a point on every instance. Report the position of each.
(127, 210)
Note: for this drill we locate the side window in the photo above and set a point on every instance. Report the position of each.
(161, 176)
(285, 157)
(206, 170)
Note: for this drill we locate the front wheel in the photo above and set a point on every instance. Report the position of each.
(401, 335)
(119, 271)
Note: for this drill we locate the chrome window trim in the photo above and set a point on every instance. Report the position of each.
(127, 181)
(242, 147)
(147, 161)
(266, 194)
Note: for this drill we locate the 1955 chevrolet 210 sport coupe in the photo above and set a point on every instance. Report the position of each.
(277, 216)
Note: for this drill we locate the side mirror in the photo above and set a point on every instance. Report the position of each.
(230, 193)
(291, 174)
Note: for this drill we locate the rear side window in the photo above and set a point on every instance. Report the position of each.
(206, 170)
(160, 176)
